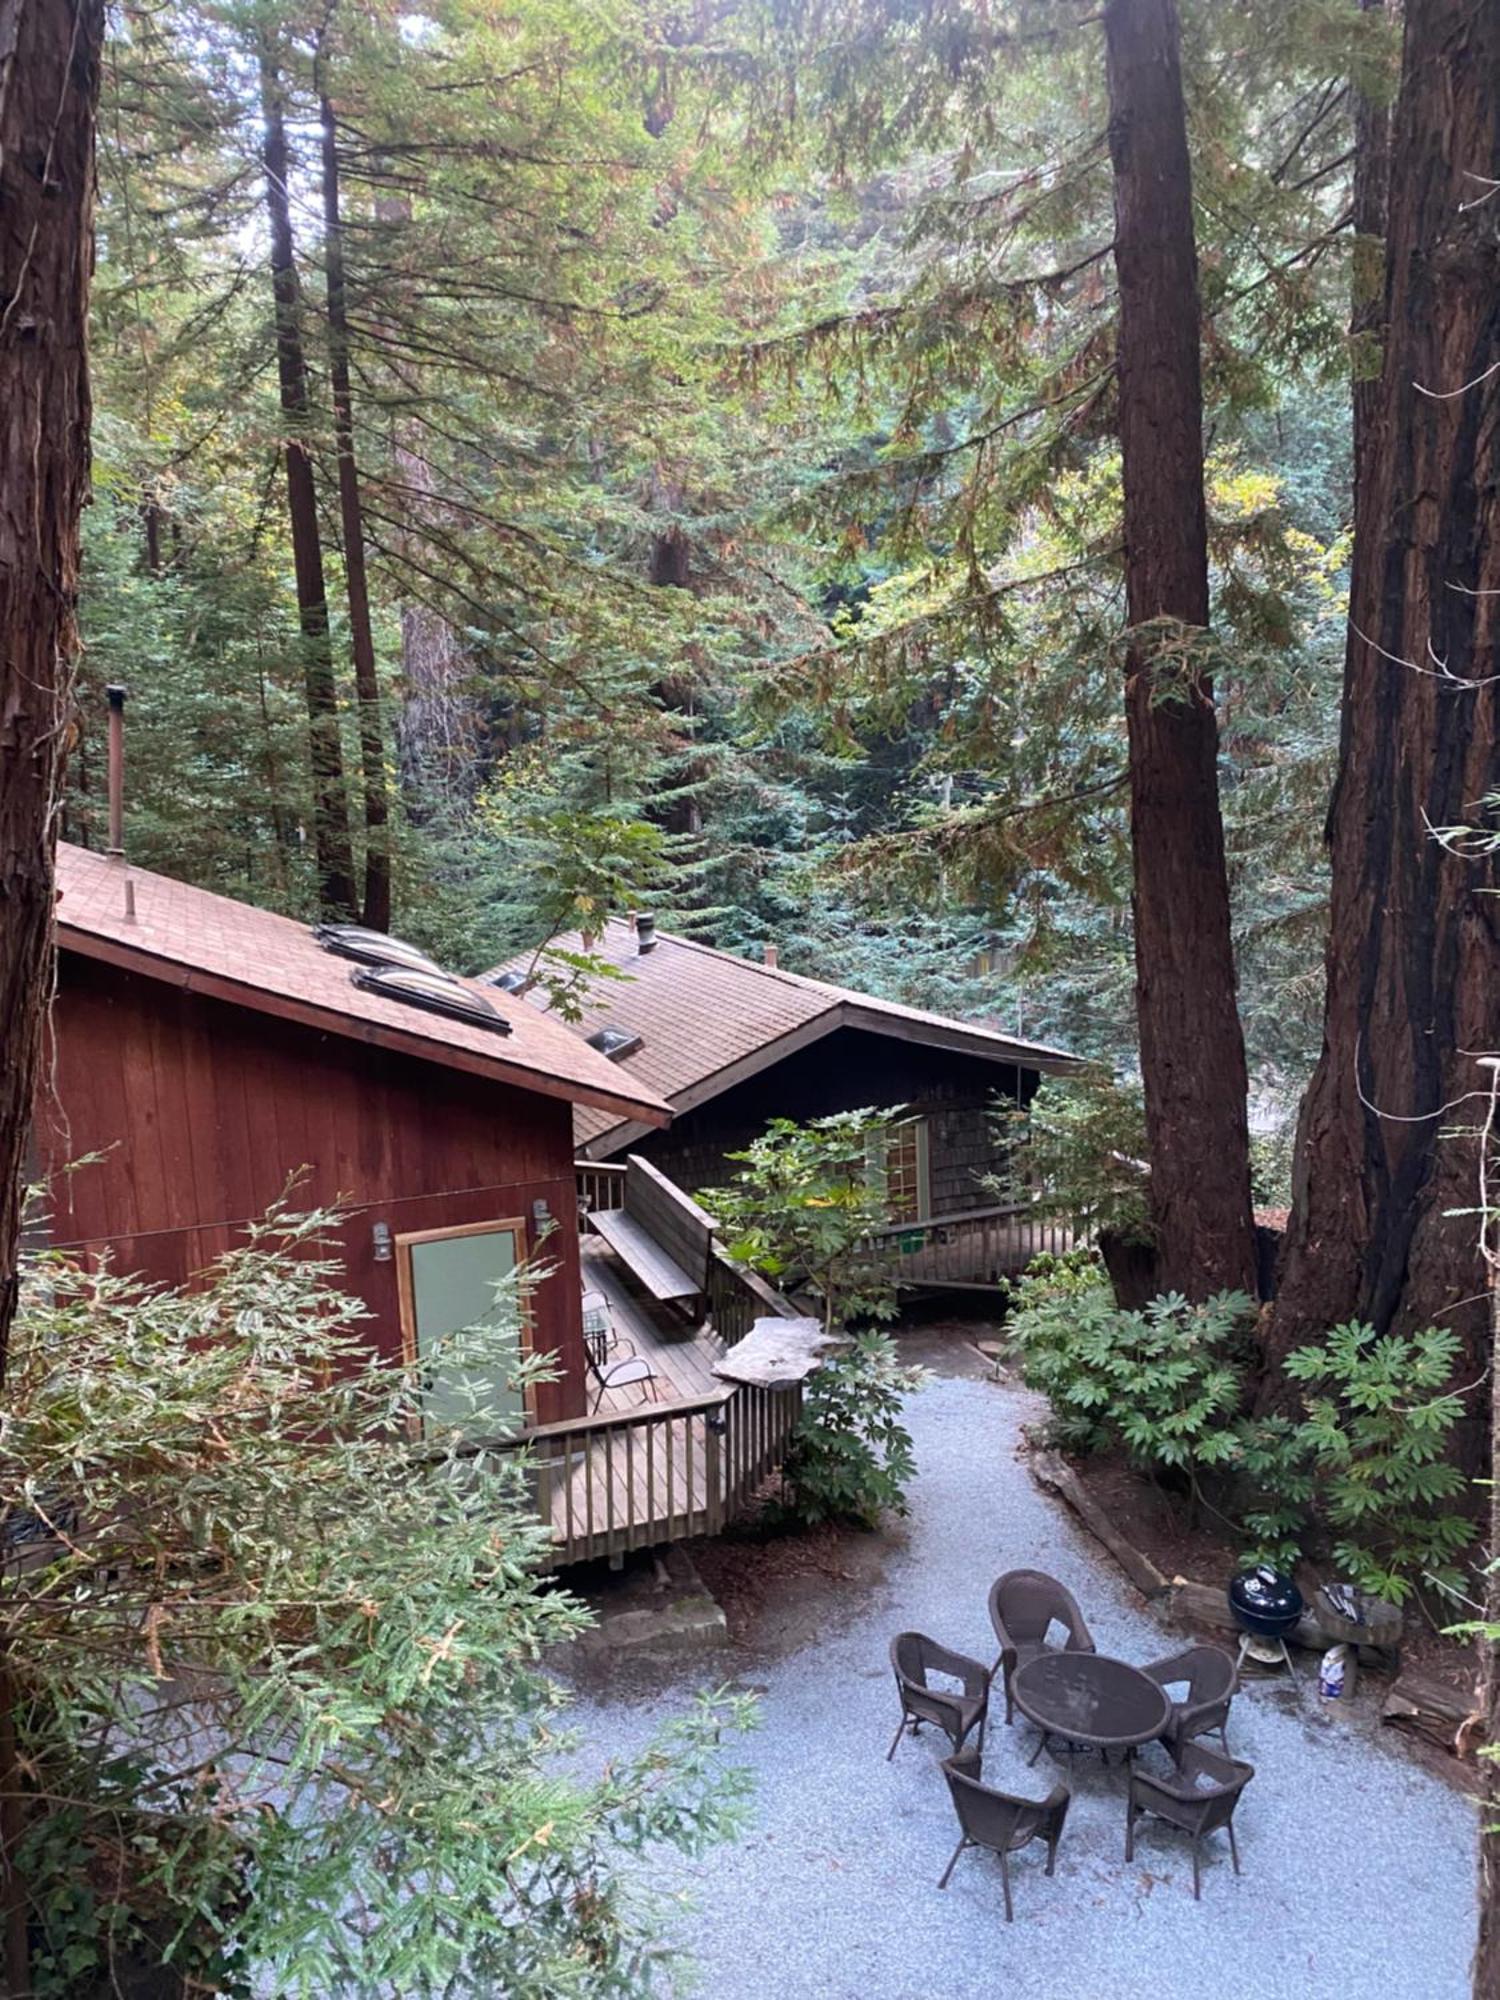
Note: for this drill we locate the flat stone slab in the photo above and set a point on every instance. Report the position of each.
(778, 1353)
(658, 1605)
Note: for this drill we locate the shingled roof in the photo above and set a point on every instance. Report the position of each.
(253, 958)
(709, 1019)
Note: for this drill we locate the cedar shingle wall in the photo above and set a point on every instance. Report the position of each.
(845, 1072)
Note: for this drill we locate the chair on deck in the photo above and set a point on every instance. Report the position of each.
(913, 1657)
(598, 1329)
(1024, 1606)
(622, 1373)
(1198, 1796)
(1209, 1676)
(999, 1821)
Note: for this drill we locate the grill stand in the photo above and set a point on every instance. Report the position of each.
(1278, 1641)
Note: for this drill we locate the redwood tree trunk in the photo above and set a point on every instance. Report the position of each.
(49, 88)
(1192, 1049)
(377, 901)
(1372, 176)
(1413, 959)
(337, 892)
(49, 81)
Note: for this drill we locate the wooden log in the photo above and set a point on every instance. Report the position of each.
(1200, 1606)
(1432, 1708)
(1056, 1476)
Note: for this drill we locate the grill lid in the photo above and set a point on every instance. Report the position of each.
(1265, 1600)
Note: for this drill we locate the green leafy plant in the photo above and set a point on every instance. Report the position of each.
(1380, 1413)
(1367, 1457)
(852, 1458)
(1082, 1141)
(275, 1644)
(1163, 1382)
(802, 1211)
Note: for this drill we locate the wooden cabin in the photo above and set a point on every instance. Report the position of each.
(729, 1042)
(208, 1050)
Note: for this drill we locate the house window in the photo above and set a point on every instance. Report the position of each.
(907, 1187)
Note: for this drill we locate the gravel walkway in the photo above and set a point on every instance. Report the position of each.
(1358, 1863)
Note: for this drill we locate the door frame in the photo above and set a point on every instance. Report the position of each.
(514, 1225)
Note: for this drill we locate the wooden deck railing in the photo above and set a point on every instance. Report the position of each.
(738, 1297)
(628, 1480)
(600, 1184)
(977, 1248)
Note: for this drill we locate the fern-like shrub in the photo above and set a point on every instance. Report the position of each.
(1380, 1414)
(1366, 1458)
(1164, 1383)
(851, 1458)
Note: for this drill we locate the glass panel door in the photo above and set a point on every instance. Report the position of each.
(449, 1280)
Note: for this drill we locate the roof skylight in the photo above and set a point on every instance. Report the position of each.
(616, 1043)
(419, 987)
(373, 947)
(513, 981)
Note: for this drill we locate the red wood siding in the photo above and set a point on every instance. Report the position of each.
(203, 1110)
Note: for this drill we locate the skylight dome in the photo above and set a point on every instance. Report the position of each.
(509, 982)
(373, 947)
(616, 1043)
(417, 986)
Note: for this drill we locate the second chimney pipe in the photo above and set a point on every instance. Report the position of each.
(645, 932)
(116, 770)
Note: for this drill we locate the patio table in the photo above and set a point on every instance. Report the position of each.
(1090, 1698)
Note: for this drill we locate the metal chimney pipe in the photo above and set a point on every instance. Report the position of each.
(645, 932)
(116, 771)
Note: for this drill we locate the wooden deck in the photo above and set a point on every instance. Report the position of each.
(678, 1346)
(645, 1470)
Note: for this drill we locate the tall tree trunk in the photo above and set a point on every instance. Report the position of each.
(1486, 1966)
(377, 901)
(1372, 179)
(439, 728)
(337, 892)
(1413, 958)
(1192, 1049)
(49, 90)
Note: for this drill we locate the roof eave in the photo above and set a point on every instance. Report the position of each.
(448, 1055)
(985, 1044)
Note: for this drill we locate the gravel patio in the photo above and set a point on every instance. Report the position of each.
(1358, 1861)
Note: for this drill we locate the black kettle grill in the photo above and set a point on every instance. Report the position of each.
(1265, 1602)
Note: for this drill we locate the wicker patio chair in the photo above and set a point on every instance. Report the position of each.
(1024, 1605)
(1209, 1674)
(1198, 1796)
(996, 1820)
(913, 1657)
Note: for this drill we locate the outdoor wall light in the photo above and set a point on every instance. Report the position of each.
(380, 1237)
(540, 1211)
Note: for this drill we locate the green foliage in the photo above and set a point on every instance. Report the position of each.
(802, 1209)
(1366, 1458)
(852, 1458)
(278, 1651)
(1380, 1416)
(1083, 1141)
(1163, 1382)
